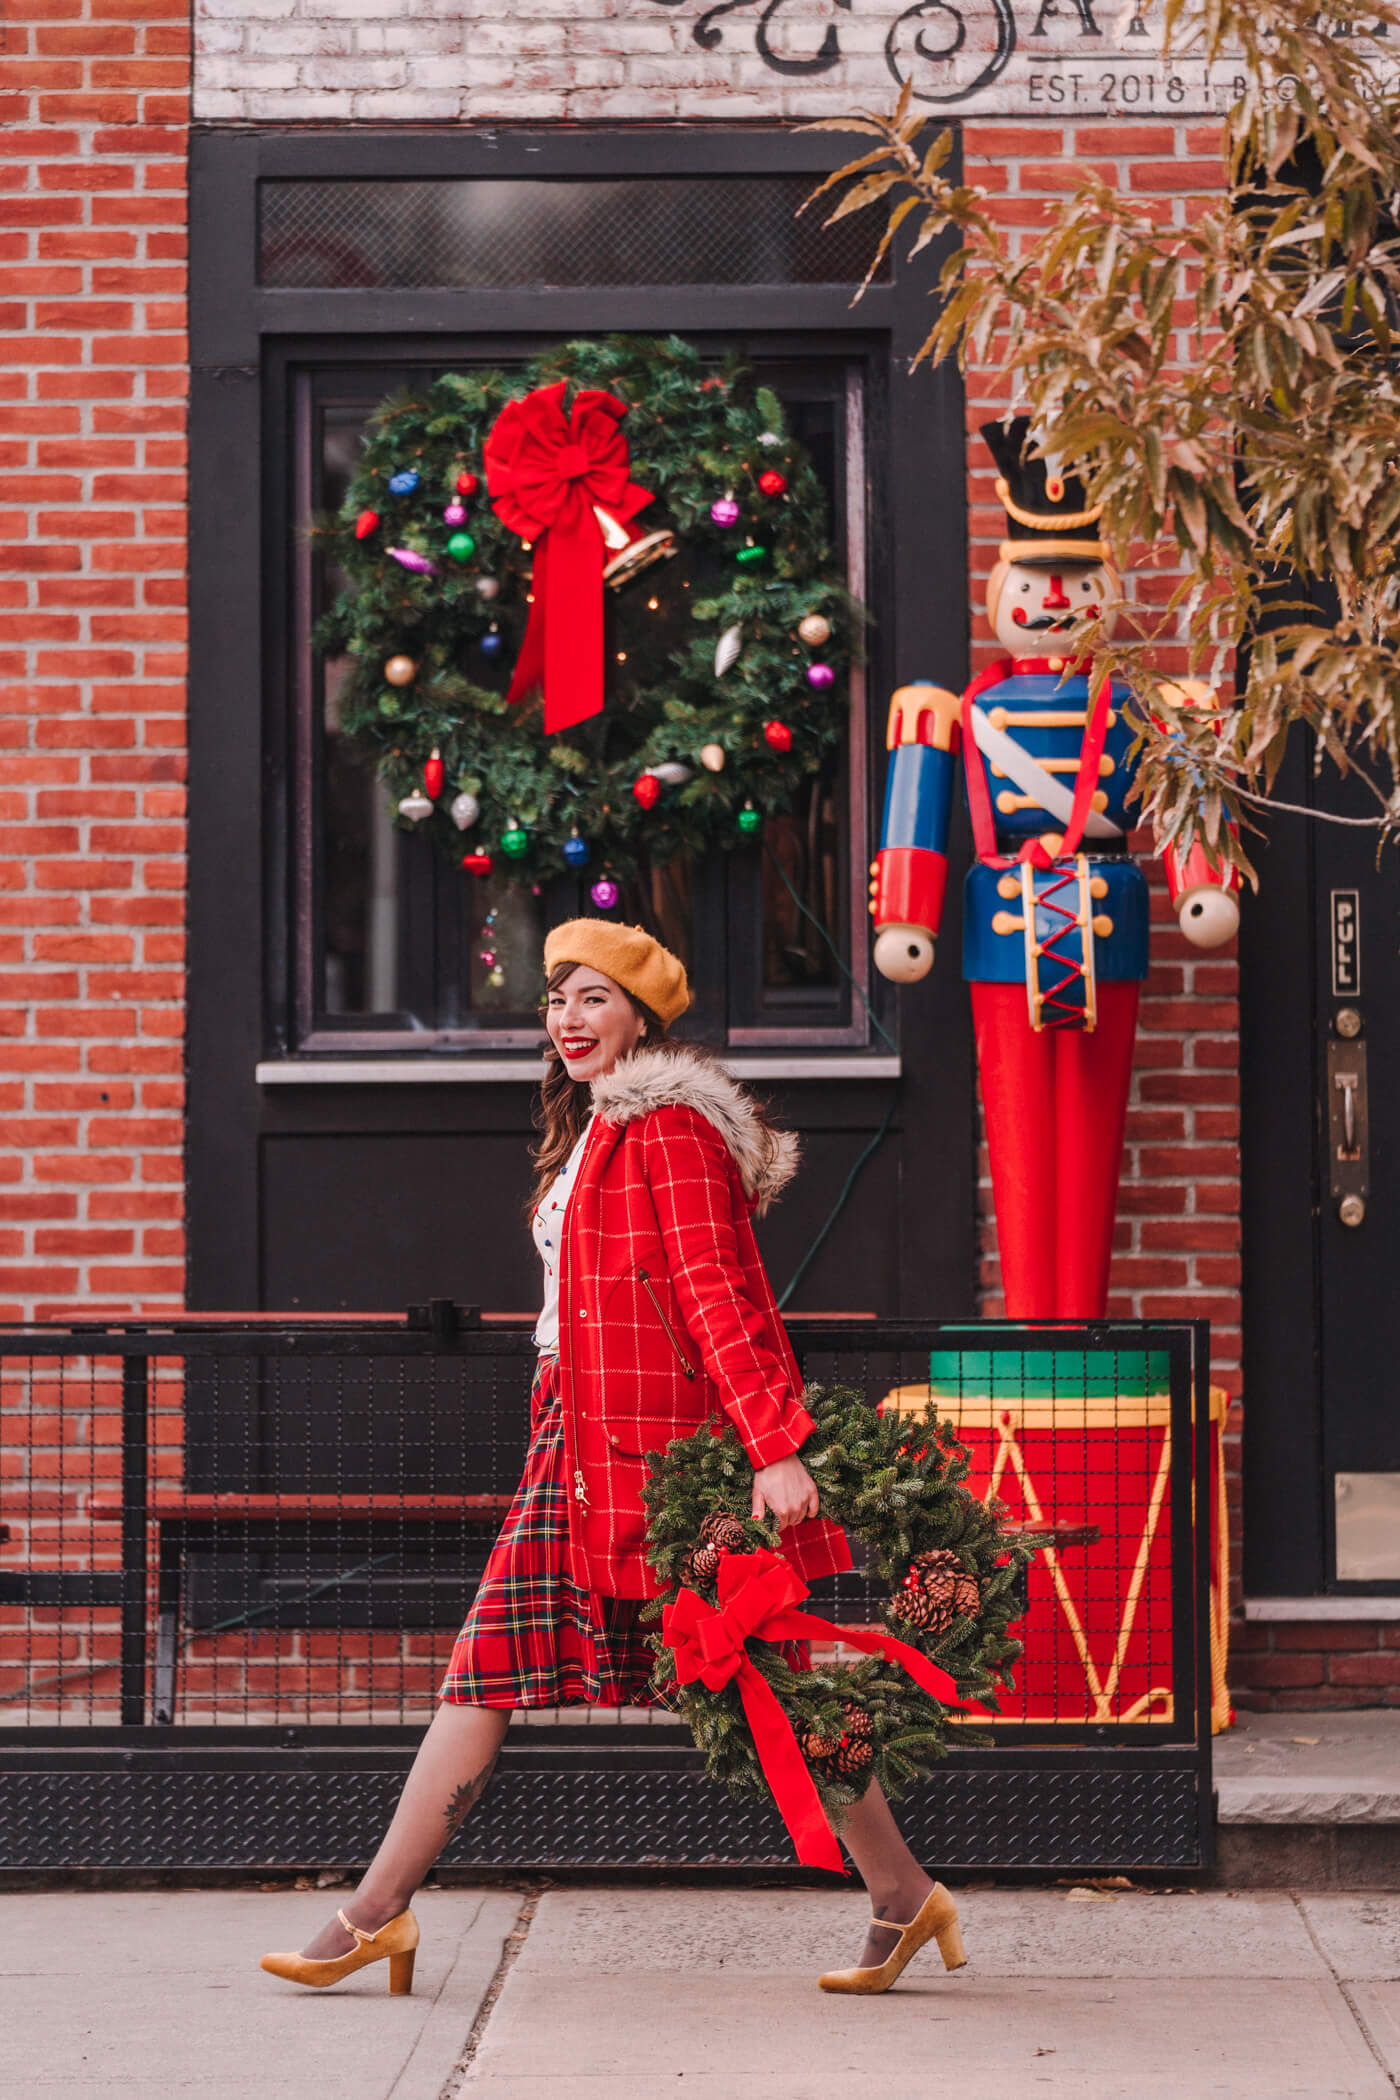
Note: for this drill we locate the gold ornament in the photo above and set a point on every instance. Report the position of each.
(712, 757)
(400, 670)
(814, 630)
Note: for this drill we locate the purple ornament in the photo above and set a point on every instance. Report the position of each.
(724, 513)
(455, 514)
(407, 559)
(820, 676)
(604, 893)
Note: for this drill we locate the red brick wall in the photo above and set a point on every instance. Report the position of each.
(92, 392)
(92, 635)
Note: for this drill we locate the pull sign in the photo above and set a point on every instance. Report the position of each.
(1346, 944)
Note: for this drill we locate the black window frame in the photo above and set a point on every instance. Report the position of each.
(302, 375)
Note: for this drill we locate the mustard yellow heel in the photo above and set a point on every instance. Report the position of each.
(937, 1920)
(396, 1943)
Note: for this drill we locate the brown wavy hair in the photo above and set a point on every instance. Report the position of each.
(565, 1104)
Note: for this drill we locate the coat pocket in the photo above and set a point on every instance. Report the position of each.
(642, 1433)
(644, 1278)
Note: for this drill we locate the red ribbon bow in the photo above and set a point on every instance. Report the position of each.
(545, 474)
(757, 1592)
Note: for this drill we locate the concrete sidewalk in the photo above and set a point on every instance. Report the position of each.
(634, 1993)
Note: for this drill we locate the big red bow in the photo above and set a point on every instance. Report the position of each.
(757, 1593)
(545, 474)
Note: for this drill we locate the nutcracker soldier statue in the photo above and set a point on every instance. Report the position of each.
(1055, 911)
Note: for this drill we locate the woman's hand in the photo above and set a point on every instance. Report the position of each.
(787, 1489)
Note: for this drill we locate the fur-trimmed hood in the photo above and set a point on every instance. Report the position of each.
(674, 1078)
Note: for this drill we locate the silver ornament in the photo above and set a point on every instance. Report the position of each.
(465, 810)
(769, 438)
(673, 772)
(487, 587)
(712, 758)
(415, 806)
(727, 649)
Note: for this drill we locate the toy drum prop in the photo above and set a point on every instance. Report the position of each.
(1083, 1467)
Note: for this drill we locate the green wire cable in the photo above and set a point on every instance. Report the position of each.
(875, 1142)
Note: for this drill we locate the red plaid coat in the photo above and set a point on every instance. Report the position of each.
(666, 1315)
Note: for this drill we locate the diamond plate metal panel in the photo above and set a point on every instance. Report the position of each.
(582, 1814)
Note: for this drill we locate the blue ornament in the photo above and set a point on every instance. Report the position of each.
(403, 484)
(576, 851)
(491, 643)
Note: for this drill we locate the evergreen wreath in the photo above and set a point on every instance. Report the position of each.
(725, 665)
(897, 1484)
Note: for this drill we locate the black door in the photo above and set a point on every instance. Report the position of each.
(1322, 1202)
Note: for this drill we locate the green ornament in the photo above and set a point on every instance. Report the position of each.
(515, 842)
(749, 557)
(461, 546)
(749, 820)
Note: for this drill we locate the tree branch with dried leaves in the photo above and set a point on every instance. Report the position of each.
(1226, 387)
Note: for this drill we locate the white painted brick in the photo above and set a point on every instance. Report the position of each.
(531, 108)
(543, 37)
(220, 106)
(297, 107)
(232, 72)
(631, 39)
(411, 38)
(410, 105)
(218, 37)
(343, 73)
(305, 40)
(453, 74)
(238, 10)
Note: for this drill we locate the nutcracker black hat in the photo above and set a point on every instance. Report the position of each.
(1046, 513)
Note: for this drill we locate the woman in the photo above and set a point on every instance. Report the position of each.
(657, 1317)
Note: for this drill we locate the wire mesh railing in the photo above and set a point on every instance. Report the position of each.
(248, 1525)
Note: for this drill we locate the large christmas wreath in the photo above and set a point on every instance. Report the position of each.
(590, 611)
(816, 1738)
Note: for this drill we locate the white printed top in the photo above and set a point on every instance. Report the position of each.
(547, 1226)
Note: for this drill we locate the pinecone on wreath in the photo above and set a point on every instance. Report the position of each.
(936, 1591)
(723, 1532)
(700, 1566)
(855, 1752)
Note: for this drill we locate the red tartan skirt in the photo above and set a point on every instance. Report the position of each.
(533, 1637)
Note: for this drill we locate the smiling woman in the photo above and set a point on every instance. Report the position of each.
(658, 1319)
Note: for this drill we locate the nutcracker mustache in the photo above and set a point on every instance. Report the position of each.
(1043, 621)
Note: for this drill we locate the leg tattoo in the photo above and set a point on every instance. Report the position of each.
(465, 1798)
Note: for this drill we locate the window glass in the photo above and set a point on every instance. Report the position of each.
(396, 941)
(725, 229)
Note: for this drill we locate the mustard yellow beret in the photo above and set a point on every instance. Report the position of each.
(626, 954)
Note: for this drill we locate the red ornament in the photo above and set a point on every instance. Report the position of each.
(467, 484)
(366, 523)
(477, 863)
(434, 777)
(778, 735)
(647, 790)
(772, 483)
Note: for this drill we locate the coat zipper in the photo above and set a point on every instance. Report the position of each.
(686, 1365)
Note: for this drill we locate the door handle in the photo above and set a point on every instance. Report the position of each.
(1348, 1082)
(1348, 1128)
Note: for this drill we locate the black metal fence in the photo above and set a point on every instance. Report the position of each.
(234, 1555)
